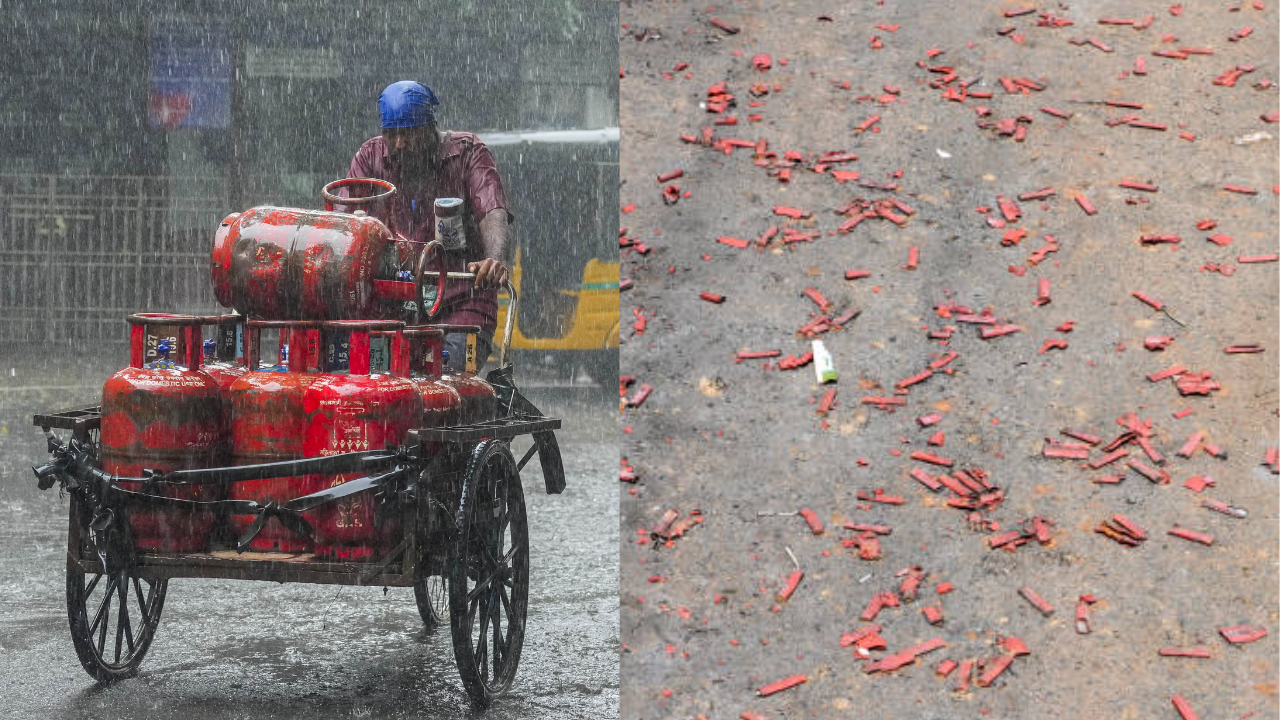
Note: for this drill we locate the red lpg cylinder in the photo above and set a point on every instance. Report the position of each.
(268, 423)
(353, 412)
(164, 415)
(441, 403)
(287, 263)
(479, 403)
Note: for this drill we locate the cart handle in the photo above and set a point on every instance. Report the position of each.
(441, 274)
(510, 324)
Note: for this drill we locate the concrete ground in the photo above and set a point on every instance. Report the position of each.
(744, 444)
(239, 649)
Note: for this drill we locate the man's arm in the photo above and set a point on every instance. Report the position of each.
(497, 233)
(497, 239)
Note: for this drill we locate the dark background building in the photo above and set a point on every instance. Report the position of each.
(128, 130)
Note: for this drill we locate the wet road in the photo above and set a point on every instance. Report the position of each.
(239, 649)
(713, 616)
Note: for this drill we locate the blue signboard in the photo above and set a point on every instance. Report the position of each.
(191, 73)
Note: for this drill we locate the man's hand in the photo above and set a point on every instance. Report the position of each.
(490, 274)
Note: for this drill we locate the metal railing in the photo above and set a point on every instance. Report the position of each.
(77, 254)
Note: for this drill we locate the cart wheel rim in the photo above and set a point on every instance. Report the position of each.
(113, 619)
(432, 594)
(489, 574)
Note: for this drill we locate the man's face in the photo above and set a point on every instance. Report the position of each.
(413, 148)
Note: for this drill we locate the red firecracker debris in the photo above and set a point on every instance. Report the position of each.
(793, 582)
(878, 602)
(913, 258)
(963, 673)
(827, 402)
(726, 27)
(904, 657)
(817, 298)
(780, 685)
(1242, 634)
(923, 478)
(1224, 508)
(866, 124)
(1167, 373)
(811, 517)
(993, 331)
(1184, 708)
(994, 669)
(1082, 614)
(711, 297)
(790, 212)
(1036, 601)
(932, 459)
(1135, 185)
(642, 394)
(914, 379)
(1122, 530)
(1192, 535)
(1187, 652)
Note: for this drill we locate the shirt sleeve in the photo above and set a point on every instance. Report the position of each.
(484, 186)
(360, 163)
(361, 166)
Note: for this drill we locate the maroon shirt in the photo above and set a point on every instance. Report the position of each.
(467, 171)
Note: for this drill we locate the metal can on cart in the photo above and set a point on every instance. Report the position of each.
(450, 229)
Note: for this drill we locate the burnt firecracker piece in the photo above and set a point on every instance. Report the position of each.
(1242, 634)
(811, 517)
(793, 582)
(1184, 708)
(905, 657)
(994, 669)
(1192, 535)
(780, 685)
(1190, 652)
(1036, 601)
(1082, 614)
(1225, 509)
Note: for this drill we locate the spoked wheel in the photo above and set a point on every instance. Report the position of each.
(113, 619)
(488, 573)
(433, 601)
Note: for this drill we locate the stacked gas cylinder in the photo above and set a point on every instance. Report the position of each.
(340, 379)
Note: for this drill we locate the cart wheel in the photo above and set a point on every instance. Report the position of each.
(113, 619)
(433, 601)
(488, 573)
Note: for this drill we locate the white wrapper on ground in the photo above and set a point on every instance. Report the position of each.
(823, 365)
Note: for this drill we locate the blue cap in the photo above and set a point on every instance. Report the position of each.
(164, 348)
(407, 104)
